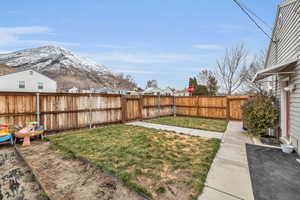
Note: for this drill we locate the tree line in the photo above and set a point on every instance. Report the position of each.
(233, 74)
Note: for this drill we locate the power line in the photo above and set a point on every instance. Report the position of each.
(252, 19)
(255, 15)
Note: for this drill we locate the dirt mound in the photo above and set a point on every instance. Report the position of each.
(16, 179)
(71, 179)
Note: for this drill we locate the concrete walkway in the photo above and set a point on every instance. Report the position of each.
(188, 131)
(229, 177)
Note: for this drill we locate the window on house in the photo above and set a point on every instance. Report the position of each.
(22, 84)
(40, 86)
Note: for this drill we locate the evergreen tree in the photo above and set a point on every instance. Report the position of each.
(212, 85)
(199, 90)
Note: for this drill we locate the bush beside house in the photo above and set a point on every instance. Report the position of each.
(259, 114)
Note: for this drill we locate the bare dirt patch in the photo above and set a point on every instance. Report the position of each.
(16, 180)
(69, 179)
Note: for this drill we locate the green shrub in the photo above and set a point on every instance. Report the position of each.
(259, 114)
(160, 190)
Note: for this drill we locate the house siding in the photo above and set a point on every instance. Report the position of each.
(294, 116)
(10, 82)
(287, 34)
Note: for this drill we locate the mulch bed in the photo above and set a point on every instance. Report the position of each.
(270, 140)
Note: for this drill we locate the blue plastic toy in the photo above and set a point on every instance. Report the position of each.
(8, 138)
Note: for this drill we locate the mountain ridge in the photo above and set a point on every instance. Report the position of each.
(68, 69)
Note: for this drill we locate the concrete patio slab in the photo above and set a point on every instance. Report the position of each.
(188, 131)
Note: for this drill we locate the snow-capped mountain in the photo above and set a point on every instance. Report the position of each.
(68, 69)
(50, 58)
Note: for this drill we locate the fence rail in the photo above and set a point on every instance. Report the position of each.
(62, 111)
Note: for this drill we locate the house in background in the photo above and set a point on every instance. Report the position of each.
(73, 90)
(27, 81)
(282, 70)
(157, 91)
(182, 93)
(152, 91)
(168, 91)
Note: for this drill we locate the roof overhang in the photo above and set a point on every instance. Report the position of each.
(275, 69)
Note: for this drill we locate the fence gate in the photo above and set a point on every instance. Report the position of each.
(234, 108)
(131, 108)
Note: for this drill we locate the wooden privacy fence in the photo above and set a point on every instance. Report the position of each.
(60, 111)
(220, 107)
(137, 107)
(63, 111)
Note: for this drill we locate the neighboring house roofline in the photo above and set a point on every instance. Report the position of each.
(25, 71)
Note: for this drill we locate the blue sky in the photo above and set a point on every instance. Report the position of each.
(166, 40)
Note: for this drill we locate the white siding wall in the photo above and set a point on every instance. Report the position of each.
(295, 110)
(287, 32)
(10, 82)
(287, 35)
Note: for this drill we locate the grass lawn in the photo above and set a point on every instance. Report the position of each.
(156, 163)
(190, 122)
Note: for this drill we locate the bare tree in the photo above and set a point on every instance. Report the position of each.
(257, 64)
(152, 84)
(202, 76)
(125, 82)
(208, 78)
(230, 68)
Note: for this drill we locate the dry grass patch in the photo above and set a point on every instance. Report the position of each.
(156, 163)
(190, 122)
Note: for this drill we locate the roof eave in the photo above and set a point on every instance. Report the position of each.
(273, 70)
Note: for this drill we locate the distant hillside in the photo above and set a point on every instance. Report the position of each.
(4, 69)
(68, 69)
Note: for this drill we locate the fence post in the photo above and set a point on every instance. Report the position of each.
(90, 109)
(227, 108)
(174, 106)
(123, 108)
(38, 113)
(159, 104)
(141, 106)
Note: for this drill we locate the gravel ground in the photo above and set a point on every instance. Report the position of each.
(16, 179)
